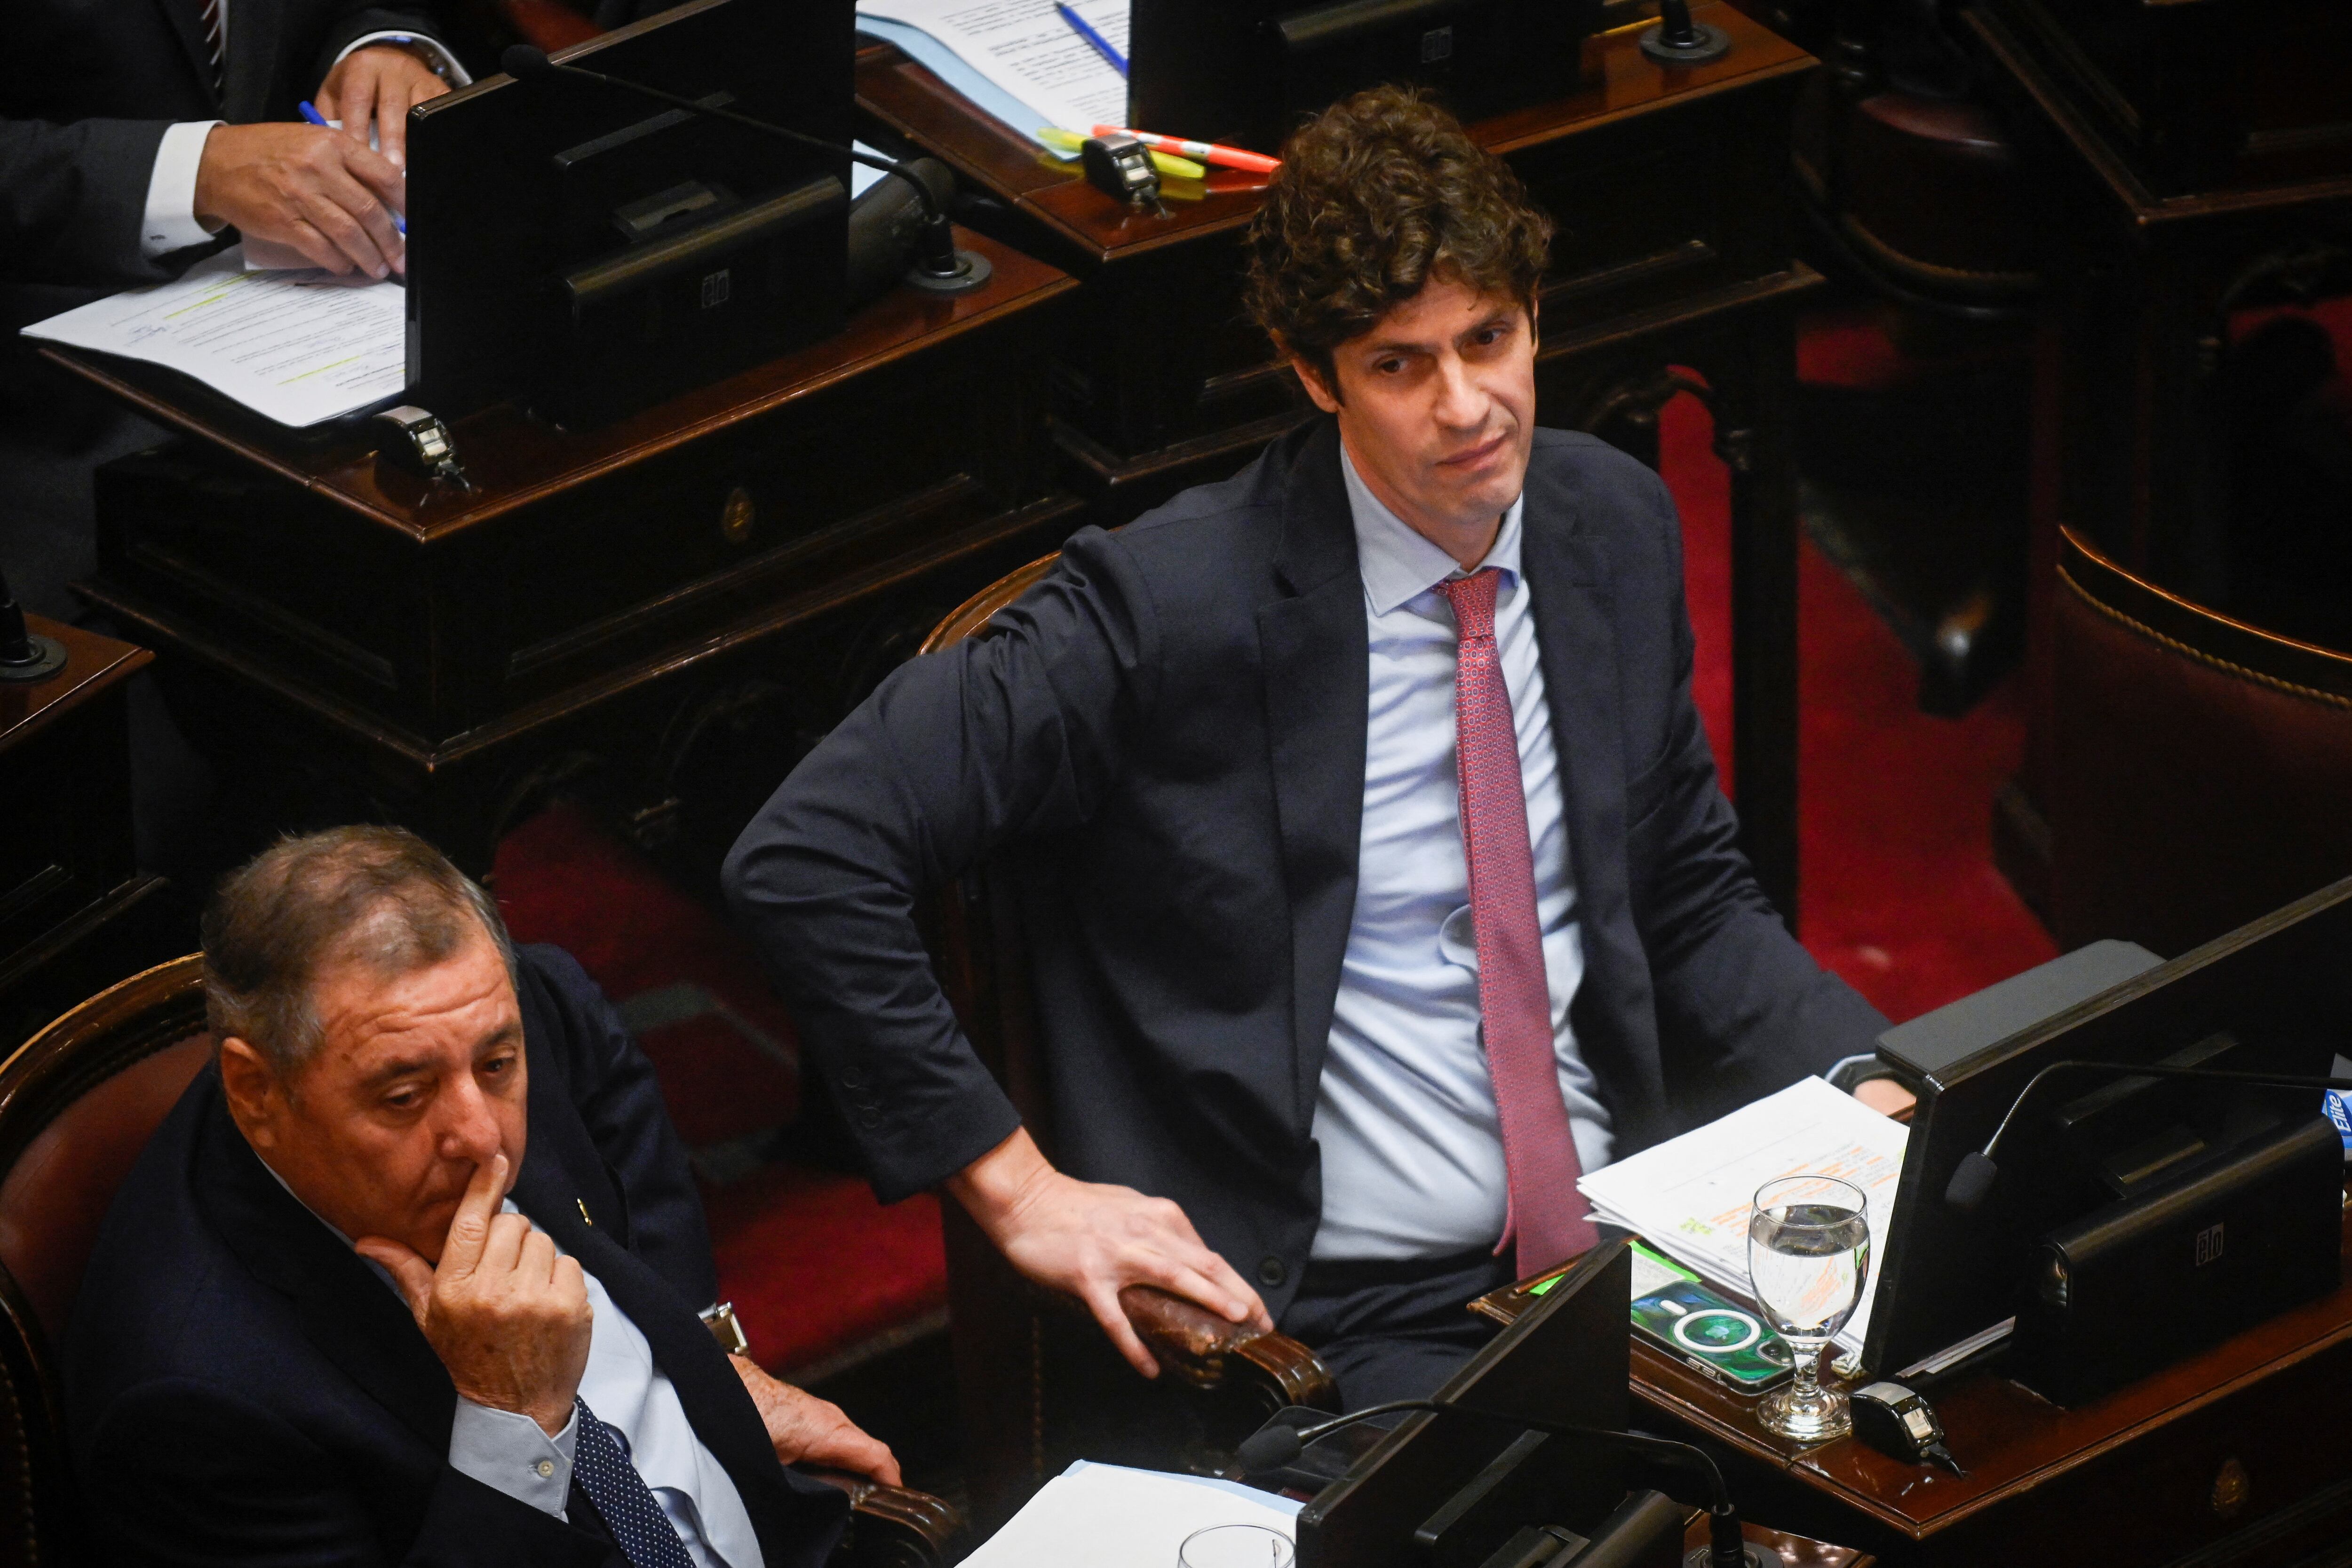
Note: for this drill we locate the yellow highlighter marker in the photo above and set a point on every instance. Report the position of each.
(1068, 143)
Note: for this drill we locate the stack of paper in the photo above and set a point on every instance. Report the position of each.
(1017, 59)
(1107, 1516)
(300, 347)
(1691, 1197)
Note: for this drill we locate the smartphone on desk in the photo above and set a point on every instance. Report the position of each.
(1679, 1314)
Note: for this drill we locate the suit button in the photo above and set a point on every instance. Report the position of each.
(1271, 1272)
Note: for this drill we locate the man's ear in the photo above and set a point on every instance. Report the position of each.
(256, 1100)
(1318, 391)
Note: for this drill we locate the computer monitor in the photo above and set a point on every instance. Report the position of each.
(589, 253)
(1472, 1481)
(2273, 996)
(1247, 71)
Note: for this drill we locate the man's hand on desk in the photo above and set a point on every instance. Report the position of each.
(302, 185)
(1092, 1241)
(374, 88)
(1884, 1096)
(806, 1429)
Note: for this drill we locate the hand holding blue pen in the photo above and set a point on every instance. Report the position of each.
(310, 112)
(1079, 26)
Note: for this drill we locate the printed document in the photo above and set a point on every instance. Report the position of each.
(1691, 1197)
(1107, 1516)
(1025, 48)
(299, 347)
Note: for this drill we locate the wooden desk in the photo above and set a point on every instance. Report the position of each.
(2240, 1456)
(679, 601)
(75, 912)
(1675, 251)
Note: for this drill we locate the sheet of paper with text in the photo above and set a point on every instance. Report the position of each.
(297, 347)
(1024, 47)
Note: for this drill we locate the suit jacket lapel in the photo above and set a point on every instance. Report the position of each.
(1566, 567)
(345, 1308)
(1314, 651)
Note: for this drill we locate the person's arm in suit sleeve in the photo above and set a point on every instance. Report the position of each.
(1743, 1009)
(956, 755)
(73, 202)
(196, 1477)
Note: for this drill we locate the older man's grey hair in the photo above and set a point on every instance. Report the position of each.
(378, 897)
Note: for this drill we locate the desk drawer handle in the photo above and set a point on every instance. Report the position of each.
(737, 515)
(2231, 1489)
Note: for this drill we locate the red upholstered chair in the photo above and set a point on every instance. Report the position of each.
(551, 23)
(2200, 767)
(1039, 1382)
(77, 1103)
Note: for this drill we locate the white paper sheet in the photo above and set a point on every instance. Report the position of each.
(1690, 1197)
(299, 347)
(1024, 47)
(1107, 1516)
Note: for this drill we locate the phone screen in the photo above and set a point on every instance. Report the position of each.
(1680, 1316)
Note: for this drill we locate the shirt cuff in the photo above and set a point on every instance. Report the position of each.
(451, 71)
(171, 220)
(506, 1450)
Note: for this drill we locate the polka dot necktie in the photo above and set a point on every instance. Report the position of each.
(1549, 1218)
(601, 1463)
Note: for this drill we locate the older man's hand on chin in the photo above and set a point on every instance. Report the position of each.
(507, 1314)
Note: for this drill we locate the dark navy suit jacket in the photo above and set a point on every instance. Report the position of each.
(1171, 729)
(242, 1388)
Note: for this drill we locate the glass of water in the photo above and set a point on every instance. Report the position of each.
(1235, 1546)
(1808, 1260)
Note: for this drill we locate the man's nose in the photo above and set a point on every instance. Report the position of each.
(1461, 404)
(469, 1131)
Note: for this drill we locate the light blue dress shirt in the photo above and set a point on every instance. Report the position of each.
(506, 1450)
(1411, 1145)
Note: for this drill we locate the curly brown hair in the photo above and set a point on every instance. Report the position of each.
(1379, 194)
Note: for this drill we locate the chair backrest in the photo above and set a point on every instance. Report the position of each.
(2200, 765)
(78, 1101)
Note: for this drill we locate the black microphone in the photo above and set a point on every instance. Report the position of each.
(1271, 1447)
(939, 267)
(1972, 1179)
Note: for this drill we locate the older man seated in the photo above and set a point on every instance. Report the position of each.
(413, 1273)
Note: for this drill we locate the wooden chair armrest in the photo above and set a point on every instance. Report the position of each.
(1206, 1351)
(894, 1527)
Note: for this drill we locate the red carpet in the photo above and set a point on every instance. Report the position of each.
(1899, 896)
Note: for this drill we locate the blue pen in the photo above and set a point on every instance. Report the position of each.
(310, 112)
(1102, 44)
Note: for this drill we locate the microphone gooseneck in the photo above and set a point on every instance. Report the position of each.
(939, 265)
(1972, 1180)
(1271, 1447)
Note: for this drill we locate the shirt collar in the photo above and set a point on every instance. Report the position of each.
(1398, 563)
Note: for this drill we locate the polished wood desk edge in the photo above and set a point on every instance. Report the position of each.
(344, 474)
(982, 150)
(2145, 208)
(1666, 1385)
(197, 642)
(94, 663)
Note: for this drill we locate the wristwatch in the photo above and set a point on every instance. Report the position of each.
(726, 1329)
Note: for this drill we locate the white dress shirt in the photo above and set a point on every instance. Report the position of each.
(171, 223)
(1411, 1142)
(506, 1450)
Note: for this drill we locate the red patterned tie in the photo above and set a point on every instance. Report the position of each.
(1548, 1219)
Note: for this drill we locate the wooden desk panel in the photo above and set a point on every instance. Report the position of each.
(425, 652)
(72, 896)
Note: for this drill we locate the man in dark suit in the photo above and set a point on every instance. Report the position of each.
(1367, 845)
(412, 1274)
